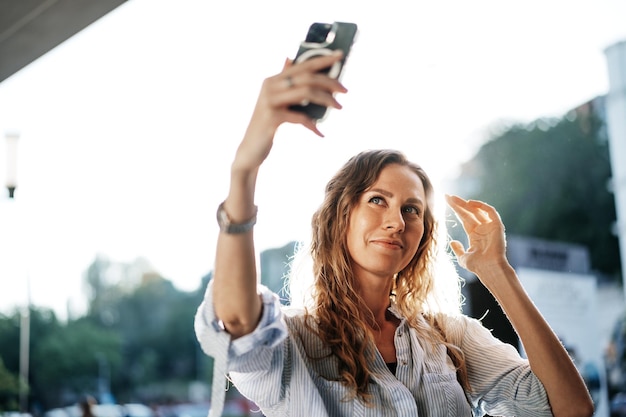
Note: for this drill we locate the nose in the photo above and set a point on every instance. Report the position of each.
(394, 220)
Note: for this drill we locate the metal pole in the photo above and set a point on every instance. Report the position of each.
(616, 123)
(24, 357)
(11, 184)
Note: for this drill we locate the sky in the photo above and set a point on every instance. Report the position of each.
(127, 130)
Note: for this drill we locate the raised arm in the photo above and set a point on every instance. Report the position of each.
(235, 298)
(486, 257)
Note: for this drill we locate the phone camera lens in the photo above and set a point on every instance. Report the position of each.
(318, 32)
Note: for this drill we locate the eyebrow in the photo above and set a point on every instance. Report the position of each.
(412, 200)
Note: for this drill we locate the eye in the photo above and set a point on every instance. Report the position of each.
(377, 200)
(412, 210)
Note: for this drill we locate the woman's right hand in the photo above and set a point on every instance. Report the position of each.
(235, 297)
(295, 84)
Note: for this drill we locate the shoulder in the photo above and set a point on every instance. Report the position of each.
(294, 312)
(458, 322)
(458, 327)
(302, 328)
(298, 321)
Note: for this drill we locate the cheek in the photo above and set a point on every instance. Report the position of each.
(418, 233)
(350, 234)
(356, 232)
(357, 223)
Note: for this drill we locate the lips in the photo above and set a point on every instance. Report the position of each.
(390, 243)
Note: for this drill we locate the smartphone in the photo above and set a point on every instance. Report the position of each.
(322, 39)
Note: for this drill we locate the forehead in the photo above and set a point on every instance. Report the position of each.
(400, 180)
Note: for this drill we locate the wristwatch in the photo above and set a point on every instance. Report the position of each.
(227, 226)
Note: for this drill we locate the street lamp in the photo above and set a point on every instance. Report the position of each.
(11, 184)
(11, 179)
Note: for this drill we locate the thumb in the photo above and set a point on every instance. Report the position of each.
(459, 252)
(457, 248)
(288, 63)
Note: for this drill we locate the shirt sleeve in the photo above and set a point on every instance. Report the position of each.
(242, 353)
(501, 381)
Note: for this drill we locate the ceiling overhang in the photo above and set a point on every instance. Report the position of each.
(31, 28)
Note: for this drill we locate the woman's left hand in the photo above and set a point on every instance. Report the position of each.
(486, 257)
(485, 233)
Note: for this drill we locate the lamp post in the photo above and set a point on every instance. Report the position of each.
(11, 146)
(24, 357)
(11, 184)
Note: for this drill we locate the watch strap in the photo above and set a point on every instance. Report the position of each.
(227, 226)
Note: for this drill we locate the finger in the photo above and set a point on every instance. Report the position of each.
(313, 127)
(311, 73)
(303, 95)
(319, 62)
(323, 98)
(457, 248)
(460, 208)
(306, 81)
(486, 209)
(302, 119)
(288, 63)
(324, 82)
(316, 88)
(456, 203)
(480, 211)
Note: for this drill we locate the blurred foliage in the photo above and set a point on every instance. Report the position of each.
(9, 389)
(137, 333)
(550, 179)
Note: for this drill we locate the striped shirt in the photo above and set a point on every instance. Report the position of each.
(285, 369)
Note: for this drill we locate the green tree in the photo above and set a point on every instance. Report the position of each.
(62, 358)
(549, 179)
(42, 322)
(154, 321)
(67, 362)
(137, 324)
(9, 341)
(9, 389)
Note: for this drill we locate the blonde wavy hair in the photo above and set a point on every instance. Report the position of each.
(342, 320)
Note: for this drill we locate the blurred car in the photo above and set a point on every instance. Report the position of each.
(618, 405)
(73, 411)
(238, 406)
(184, 410)
(56, 412)
(137, 410)
(107, 410)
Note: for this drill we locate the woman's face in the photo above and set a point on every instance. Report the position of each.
(387, 223)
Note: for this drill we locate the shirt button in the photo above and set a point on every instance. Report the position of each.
(404, 363)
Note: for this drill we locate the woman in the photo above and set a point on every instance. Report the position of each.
(371, 342)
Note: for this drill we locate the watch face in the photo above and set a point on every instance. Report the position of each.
(223, 217)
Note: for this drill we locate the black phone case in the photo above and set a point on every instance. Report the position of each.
(339, 36)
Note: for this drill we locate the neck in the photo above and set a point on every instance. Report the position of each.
(376, 297)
